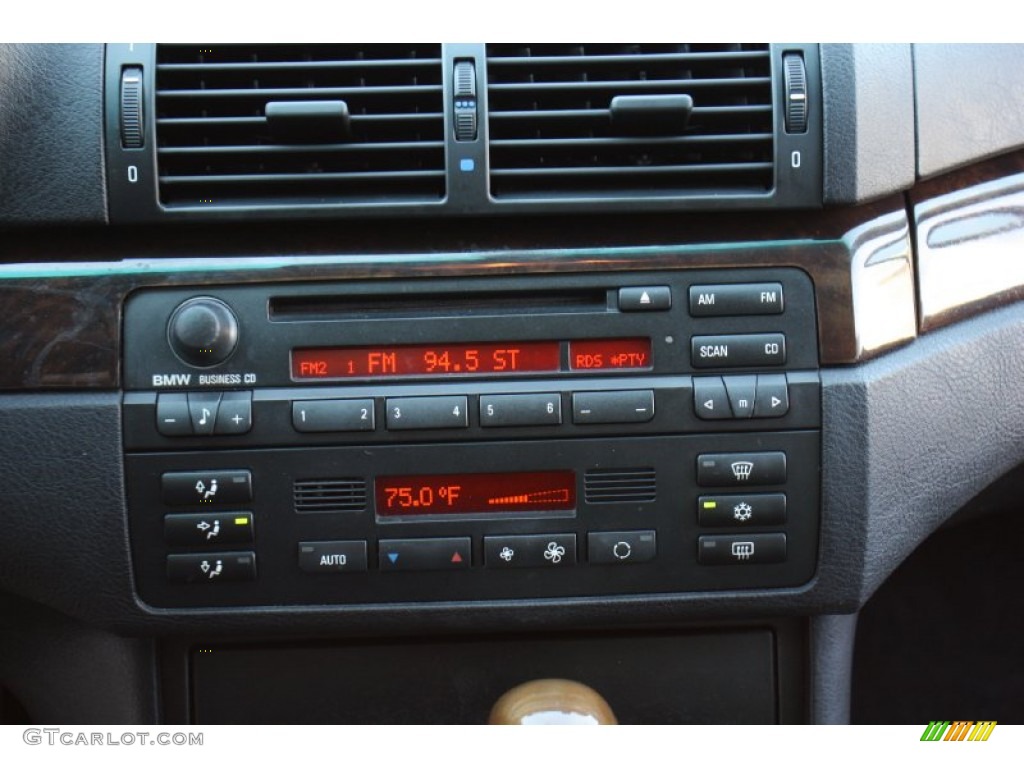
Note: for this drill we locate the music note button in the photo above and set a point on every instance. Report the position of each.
(202, 408)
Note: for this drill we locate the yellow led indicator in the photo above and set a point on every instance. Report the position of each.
(710, 504)
(241, 521)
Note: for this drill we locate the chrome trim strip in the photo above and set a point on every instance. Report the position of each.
(970, 251)
(882, 285)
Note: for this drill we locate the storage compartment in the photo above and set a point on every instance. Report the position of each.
(671, 677)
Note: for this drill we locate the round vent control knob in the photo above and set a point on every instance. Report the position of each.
(203, 332)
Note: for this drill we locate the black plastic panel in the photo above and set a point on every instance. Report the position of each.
(278, 529)
(713, 678)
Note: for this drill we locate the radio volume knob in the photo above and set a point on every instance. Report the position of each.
(203, 332)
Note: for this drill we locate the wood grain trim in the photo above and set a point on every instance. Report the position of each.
(60, 321)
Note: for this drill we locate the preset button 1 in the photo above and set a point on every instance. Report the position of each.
(333, 415)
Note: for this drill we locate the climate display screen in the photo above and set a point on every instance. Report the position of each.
(461, 494)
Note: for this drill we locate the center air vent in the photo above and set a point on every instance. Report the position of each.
(334, 495)
(349, 124)
(552, 131)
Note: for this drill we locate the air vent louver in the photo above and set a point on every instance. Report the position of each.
(611, 486)
(215, 147)
(336, 495)
(551, 133)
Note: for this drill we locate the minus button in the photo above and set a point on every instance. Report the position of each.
(616, 407)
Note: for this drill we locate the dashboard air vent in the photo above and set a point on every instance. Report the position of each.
(611, 486)
(341, 495)
(555, 132)
(288, 125)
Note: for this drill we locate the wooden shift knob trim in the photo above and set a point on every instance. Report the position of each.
(552, 702)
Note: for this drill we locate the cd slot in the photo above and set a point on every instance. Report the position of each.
(318, 307)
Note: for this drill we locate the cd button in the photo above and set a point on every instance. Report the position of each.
(738, 351)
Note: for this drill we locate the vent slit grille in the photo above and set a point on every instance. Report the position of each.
(551, 133)
(611, 486)
(333, 495)
(215, 147)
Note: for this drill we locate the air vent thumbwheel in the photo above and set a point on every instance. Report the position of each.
(203, 332)
(796, 93)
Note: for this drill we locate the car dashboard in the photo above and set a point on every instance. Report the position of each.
(416, 372)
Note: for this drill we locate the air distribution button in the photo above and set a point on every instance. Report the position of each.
(203, 332)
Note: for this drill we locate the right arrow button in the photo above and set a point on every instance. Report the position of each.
(772, 396)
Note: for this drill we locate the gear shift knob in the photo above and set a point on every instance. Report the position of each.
(552, 702)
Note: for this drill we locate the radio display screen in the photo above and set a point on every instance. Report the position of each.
(609, 354)
(460, 359)
(461, 494)
(426, 360)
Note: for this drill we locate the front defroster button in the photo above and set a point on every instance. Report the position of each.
(737, 469)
